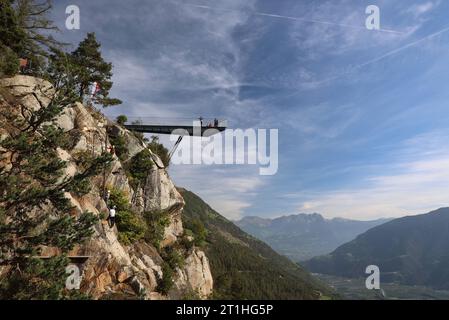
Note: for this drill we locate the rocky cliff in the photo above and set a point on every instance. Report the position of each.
(110, 268)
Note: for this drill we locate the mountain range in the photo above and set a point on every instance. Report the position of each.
(303, 236)
(244, 267)
(412, 250)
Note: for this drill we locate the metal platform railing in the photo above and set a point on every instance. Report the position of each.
(172, 122)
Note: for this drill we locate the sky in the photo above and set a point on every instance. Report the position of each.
(362, 114)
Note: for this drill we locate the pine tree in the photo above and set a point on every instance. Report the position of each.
(93, 69)
(34, 211)
(9, 62)
(25, 30)
(12, 39)
(121, 119)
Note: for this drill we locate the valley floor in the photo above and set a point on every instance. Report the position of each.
(354, 289)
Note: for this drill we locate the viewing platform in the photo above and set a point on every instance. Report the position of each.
(191, 127)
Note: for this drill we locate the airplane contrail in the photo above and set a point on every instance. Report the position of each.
(411, 44)
(351, 68)
(380, 58)
(277, 16)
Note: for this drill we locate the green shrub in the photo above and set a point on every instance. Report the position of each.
(191, 295)
(130, 225)
(82, 159)
(80, 187)
(119, 199)
(173, 257)
(199, 231)
(103, 216)
(156, 224)
(9, 62)
(166, 282)
(159, 150)
(185, 242)
(140, 166)
(121, 119)
(120, 145)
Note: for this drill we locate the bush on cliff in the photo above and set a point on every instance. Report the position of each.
(173, 259)
(121, 119)
(120, 145)
(166, 282)
(156, 221)
(198, 230)
(159, 149)
(139, 168)
(130, 225)
(9, 62)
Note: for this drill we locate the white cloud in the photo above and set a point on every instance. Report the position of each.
(229, 206)
(320, 40)
(229, 190)
(413, 186)
(322, 121)
(420, 9)
(332, 43)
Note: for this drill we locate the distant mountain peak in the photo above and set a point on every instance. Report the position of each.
(304, 235)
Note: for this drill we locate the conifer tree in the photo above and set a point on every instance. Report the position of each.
(25, 32)
(34, 211)
(12, 39)
(92, 68)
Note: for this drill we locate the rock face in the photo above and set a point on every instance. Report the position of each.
(196, 274)
(114, 270)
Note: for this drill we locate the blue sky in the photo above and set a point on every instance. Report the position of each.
(362, 115)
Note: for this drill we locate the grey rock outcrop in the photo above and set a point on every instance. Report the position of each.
(113, 269)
